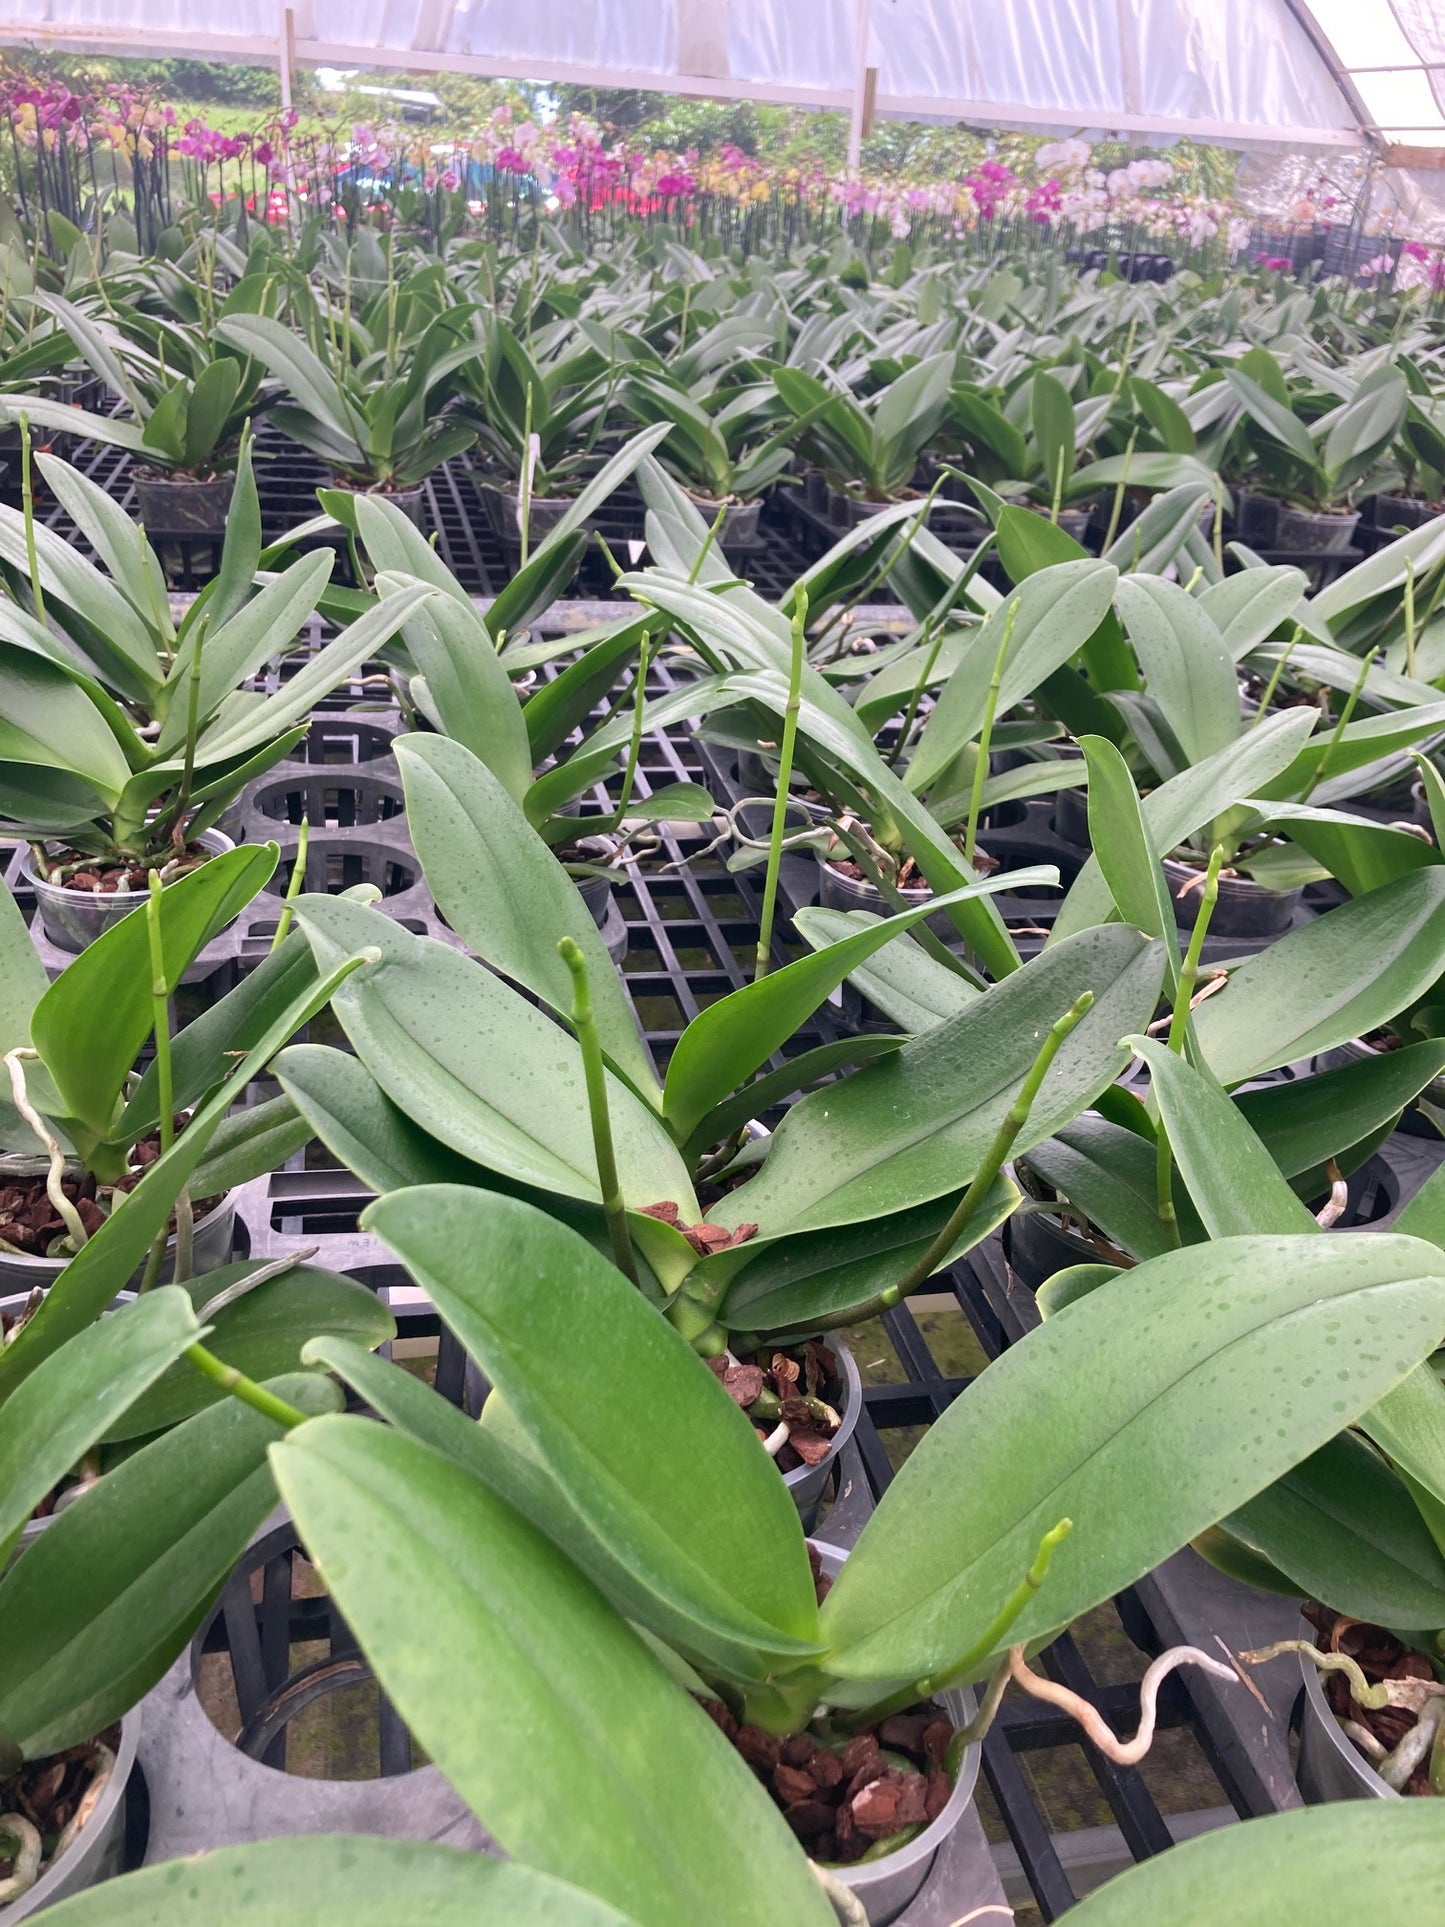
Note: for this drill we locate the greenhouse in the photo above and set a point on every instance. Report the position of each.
(741, 708)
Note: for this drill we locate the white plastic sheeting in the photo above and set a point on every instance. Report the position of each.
(1283, 72)
(1388, 49)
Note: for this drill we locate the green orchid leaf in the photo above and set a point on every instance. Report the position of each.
(106, 1263)
(23, 981)
(1110, 1176)
(1150, 469)
(90, 1025)
(1357, 746)
(1276, 417)
(208, 414)
(112, 638)
(249, 1144)
(915, 1126)
(486, 1638)
(204, 1053)
(1235, 1184)
(108, 1595)
(359, 1124)
(1309, 1120)
(1381, 573)
(1058, 609)
(116, 538)
(469, 691)
(1187, 667)
(812, 1282)
(534, 588)
(914, 989)
(280, 349)
(558, 707)
(1347, 1532)
(1364, 855)
(498, 1454)
(573, 1348)
(1377, 1859)
(317, 1877)
(673, 803)
(506, 895)
(731, 1038)
(235, 734)
(241, 550)
(264, 627)
(64, 418)
(487, 1074)
(65, 1408)
(1051, 415)
(1153, 540)
(1124, 853)
(1337, 978)
(1407, 1427)
(727, 1119)
(1070, 1284)
(261, 1333)
(50, 720)
(1248, 607)
(1188, 1356)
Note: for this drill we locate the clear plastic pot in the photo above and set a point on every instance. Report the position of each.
(1330, 1765)
(887, 1886)
(73, 919)
(1302, 533)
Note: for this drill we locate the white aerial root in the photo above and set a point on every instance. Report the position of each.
(1121, 1752)
(1413, 1694)
(19, 1097)
(15, 1828)
(1414, 1749)
(846, 1905)
(1364, 1739)
(89, 1800)
(1334, 1208)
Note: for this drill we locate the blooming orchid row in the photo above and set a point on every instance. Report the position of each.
(572, 163)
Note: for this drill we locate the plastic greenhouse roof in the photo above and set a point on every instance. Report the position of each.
(1287, 73)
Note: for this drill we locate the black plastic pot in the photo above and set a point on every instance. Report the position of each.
(1037, 1245)
(411, 501)
(1071, 816)
(1390, 512)
(1256, 518)
(1074, 522)
(182, 507)
(846, 511)
(1301, 532)
(1244, 908)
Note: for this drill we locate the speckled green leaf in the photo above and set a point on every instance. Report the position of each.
(317, 1879)
(531, 1694)
(1227, 1362)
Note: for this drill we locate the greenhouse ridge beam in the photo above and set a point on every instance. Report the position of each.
(983, 113)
